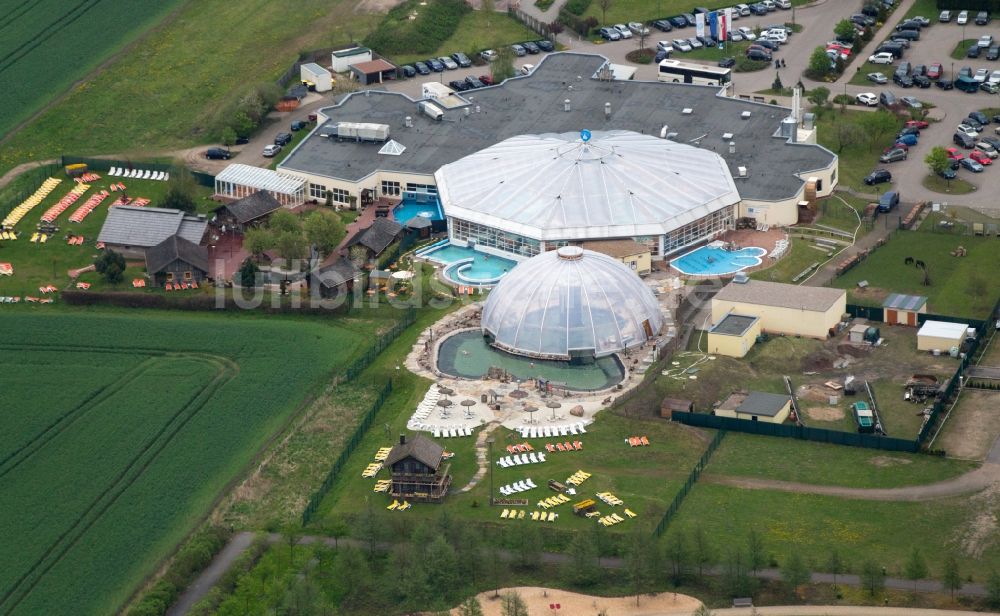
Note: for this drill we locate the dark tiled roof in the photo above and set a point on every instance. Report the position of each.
(176, 248)
(378, 236)
(420, 448)
(145, 227)
(261, 203)
(763, 404)
(418, 222)
(337, 273)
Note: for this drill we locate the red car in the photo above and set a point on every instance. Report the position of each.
(980, 157)
(840, 49)
(934, 71)
(919, 124)
(954, 154)
(486, 79)
(896, 146)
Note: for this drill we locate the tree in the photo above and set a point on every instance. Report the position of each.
(937, 160)
(951, 577)
(355, 575)
(243, 124)
(755, 551)
(407, 575)
(529, 547)
(257, 240)
(470, 554)
(111, 266)
(993, 589)
(795, 573)
(181, 189)
(878, 126)
(228, 136)
(324, 229)
(555, 29)
(916, 568)
(283, 220)
(735, 576)
(846, 134)
(702, 553)
(835, 565)
(470, 607)
(582, 570)
(502, 66)
(440, 563)
(844, 31)
(635, 568)
(872, 577)
(819, 96)
(605, 5)
(677, 556)
(511, 604)
(819, 63)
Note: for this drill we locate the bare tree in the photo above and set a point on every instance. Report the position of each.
(605, 5)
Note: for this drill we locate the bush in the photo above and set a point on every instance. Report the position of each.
(435, 23)
(577, 7)
(192, 558)
(746, 65)
(843, 99)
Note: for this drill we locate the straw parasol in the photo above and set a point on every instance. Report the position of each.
(552, 404)
(446, 391)
(531, 409)
(402, 275)
(468, 402)
(445, 402)
(518, 394)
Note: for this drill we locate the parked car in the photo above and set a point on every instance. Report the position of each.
(242, 140)
(971, 165)
(695, 43)
(907, 25)
(727, 62)
(920, 19)
(448, 63)
(893, 155)
(744, 9)
(637, 28)
(663, 25)
(948, 173)
(758, 9)
(610, 34)
(271, 150)
(980, 157)
(888, 201)
(545, 45)
(954, 154)
(747, 33)
(520, 51)
(867, 98)
(963, 140)
(769, 44)
(489, 55)
(944, 17)
(945, 84)
(888, 99)
(909, 35)
(917, 124)
(902, 80)
(985, 41)
(963, 18)
(980, 117)
(422, 68)
(679, 21)
(908, 140)
(661, 55)
(408, 71)
(298, 125)
(758, 54)
(921, 81)
(878, 78)
(282, 138)
(982, 18)
(531, 48)
(981, 75)
(987, 148)
(934, 71)
(965, 71)
(623, 31)
(486, 79)
(878, 176)
(882, 58)
(993, 52)
(474, 82)
(217, 154)
(461, 59)
(458, 85)
(973, 51)
(681, 45)
(436, 65)
(967, 129)
(908, 130)
(689, 18)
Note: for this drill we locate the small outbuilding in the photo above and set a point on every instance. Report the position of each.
(176, 260)
(630, 252)
(248, 211)
(376, 238)
(334, 280)
(418, 471)
(941, 336)
(132, 230)
(734, 335)
(756, 406)
(374, 71)
(902, 309)
(342, 59)
(315, 77)
(669, 405)
(790, 309)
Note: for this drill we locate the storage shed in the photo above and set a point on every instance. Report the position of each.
(734, 335)
(374, 71)
(756, 406)
(316, 77)
(669, 405)
(941, 336)
(630, 252)
(782, 308)
(342, 59)
(857, 333)
(903, 309)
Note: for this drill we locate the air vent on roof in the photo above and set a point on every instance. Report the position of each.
(687, 111)
(741, 278)
(467, 111)
(566, 106)
(727, 136)
(663, 132)
(478, 109)
(408, 122)
(745, 115)
(579, 78)
(742, 171)
(607, 111)
(732, 147)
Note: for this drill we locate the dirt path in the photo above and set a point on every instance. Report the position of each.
(482, 456)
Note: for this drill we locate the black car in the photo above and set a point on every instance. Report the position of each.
(949, 172)
(727, 62)
(661, 55)
(689, 18)
(993, 141)
(982, 18)
(922, 81)
(283, 139)
(769, 44)
(242, 140)
(545, 45)
(972, 51)
(663, 25)
(903, 68)
(909, 130)
(458, 85)
(474, 82)
(964, 141)
(879, 176)
(909, 25)
(918, 69)
(707, 41)
(461, 59)
(679, 21)
(409, 71)
(993, 52)
(421, 68)
(979, 117)
(910, 35)
(758, 9)
(903, 81)
(757, 54)
(435, 65)
(945, 84)
(298, 125)
(531, 47)
(870, 10)
(217, 154)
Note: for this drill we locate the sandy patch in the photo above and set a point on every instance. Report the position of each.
(538, 601)
(972, 426)
(887, 461)
(979, 532)
(825, 413)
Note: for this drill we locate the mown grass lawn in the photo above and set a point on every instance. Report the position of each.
(859, 155)
(799, 257)
(938, 184)
(843, 211)
(960, 286)
(476, 32)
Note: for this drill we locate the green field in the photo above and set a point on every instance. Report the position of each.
(80, 34)
(858, 154)
(120, 430)
(960, 286)
(478, 31)
(792, 264)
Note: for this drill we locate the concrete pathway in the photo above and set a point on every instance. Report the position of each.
(482, 456)
(212, 574)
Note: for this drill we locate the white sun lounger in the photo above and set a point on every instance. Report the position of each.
(437, 432)
(583, 430)
(531, 456)
(541, 457)
(531, 484)
(113, 171)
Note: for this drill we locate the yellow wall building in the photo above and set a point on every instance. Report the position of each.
(783, 308)
(734, 335)
(756, 406)
(629, 252)
(941, 336)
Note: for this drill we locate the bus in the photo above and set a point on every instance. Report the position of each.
(699, 74)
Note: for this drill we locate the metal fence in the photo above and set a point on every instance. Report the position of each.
(692, 479)
(27, 183)
(104, 164)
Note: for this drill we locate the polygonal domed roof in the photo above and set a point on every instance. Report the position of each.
(571, 302)
(560, 187)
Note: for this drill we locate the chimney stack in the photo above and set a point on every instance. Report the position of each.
(566, 106)
(607, 111)
(402, 439)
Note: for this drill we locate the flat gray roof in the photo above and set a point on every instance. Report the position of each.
(780, 295)
(146, 227)
(761, 403)
(733, 325)
(533, 104)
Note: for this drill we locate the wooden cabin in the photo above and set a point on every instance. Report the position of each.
(418, 471)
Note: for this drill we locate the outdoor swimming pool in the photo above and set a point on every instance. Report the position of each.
(714, 261)
(409, 208)
(468, 355)
(468, 265)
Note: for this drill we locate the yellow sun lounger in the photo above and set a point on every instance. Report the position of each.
(406, 505)
(520, 514)
(503, 514)
(393, 506)
(630, 513)
(552, 516)
(544, 504)
(534, 516)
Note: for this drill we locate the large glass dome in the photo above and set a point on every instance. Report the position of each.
(571, 303)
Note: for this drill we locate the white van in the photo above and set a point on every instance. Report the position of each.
(783, 4)
(527, 68)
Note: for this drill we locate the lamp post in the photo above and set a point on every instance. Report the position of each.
(489, 442)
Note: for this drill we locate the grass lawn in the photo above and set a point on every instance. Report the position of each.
(731, 50)
(923, 8)
(624, 11)
(146, 418)
(476, 32)
(793, 263)
(857, 159)
(177, 104)
(750, 455)
(938, 184)
(860, 76)
(962, 47)
(813, 526)
(842, 211)
(960, 286)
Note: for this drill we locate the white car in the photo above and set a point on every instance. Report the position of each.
(527, 68)
(963, 18)
(882, 58)
(867, 98)
(734, 13)
(987, 149)
(747, 33)
(681, 45)
(994, 77)
(783, 4)
(663, 45)
(985, 41)
(271, 150)
(623, 30)
(735, 36)
(638, 28)
(744, 9)
(489, 55)
(981, 75)
(965, 129)
(779, 34)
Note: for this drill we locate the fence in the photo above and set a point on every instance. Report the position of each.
(877, 315)
(352, 443)
(359, 364)
(305, 57)
(103, 164)
(532, 23)
(692, 479)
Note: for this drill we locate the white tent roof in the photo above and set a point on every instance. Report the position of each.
(392, 148)
(556, 186)
(261, 179)
(942, 329)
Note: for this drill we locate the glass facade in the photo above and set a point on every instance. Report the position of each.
(699, 230)
(340, 195)
(317, 191)
(482, 235)
(390, 189)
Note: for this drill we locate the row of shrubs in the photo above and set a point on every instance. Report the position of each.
(436, 22)
(196, 302)
(577, 7)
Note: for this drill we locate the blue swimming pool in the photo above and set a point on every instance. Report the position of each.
(410, 207)
(716, 261)
(468, 265)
